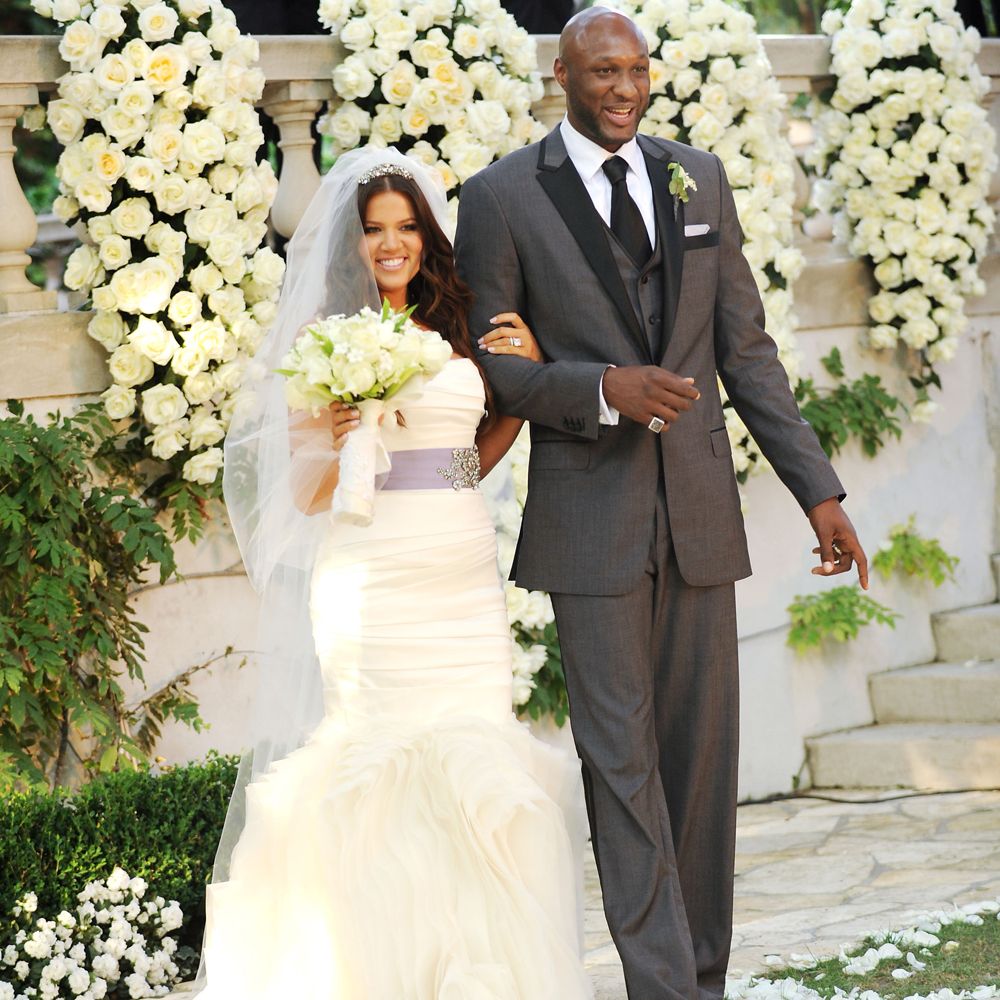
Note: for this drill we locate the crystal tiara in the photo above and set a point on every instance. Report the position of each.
(385, 170)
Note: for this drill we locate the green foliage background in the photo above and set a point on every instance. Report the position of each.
(164, 828)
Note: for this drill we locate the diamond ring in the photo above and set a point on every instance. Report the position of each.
(515, 341)
(656, 425)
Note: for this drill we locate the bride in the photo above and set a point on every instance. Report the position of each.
(404, 837)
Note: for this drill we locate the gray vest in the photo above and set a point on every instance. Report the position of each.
(645, 291)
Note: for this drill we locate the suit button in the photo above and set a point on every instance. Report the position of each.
(645, 279)
(654, 320)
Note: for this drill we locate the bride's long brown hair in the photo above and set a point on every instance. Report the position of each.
(441, 298)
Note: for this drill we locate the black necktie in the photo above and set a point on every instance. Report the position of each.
(626, 219)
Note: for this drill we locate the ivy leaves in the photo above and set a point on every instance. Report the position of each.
(74, 541)
(862, 409)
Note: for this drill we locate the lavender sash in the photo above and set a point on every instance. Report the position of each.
(432, 469)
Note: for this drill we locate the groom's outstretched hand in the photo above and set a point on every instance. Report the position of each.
(838, 548)
(641, 392)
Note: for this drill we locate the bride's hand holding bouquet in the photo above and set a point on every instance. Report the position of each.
(363, 361)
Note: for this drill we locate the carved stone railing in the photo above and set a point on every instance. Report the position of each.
(297, 69)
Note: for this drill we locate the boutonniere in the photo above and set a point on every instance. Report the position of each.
(680, 183)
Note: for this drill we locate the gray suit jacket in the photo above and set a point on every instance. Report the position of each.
(530, 240)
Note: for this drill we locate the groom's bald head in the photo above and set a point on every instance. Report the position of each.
(603, 66)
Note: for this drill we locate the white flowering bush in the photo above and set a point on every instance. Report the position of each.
(450, 82)
(906, 153)
(156, 115)
(539, 686)
(711, 85)
(117, 944)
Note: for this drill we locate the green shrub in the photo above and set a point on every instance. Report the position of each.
(163, 827)
(836, 614)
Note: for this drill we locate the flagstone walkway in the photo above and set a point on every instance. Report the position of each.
(812, 875)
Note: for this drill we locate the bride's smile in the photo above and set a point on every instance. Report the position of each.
(395, 244)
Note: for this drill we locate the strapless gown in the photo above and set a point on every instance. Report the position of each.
(422, 845)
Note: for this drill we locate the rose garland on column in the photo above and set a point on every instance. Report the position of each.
(450, 82)
(711, 86)
(157, 117)
(906, 154)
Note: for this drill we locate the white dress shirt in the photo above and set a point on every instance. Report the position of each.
(589, 159)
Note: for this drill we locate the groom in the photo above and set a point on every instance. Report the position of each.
(639, 299)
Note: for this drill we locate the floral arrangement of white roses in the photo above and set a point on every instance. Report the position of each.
(711, 85)
(539, 687)
(117, 944)
(450, 82)
(906, 153)
(157, 118)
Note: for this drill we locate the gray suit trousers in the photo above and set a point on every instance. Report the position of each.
(654, 699)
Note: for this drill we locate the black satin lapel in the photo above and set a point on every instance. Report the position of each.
(670, 226)
(570, 197)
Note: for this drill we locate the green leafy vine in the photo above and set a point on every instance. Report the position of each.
(837, 614)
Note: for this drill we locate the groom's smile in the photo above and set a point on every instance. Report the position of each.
(603, 66)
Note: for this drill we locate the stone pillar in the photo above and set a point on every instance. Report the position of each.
(293, 106)
(19, 228)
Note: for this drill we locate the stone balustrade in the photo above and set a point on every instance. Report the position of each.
(297, 69)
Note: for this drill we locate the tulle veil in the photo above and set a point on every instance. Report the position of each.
(327, 272)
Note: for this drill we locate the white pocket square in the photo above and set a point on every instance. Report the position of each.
(697, 229)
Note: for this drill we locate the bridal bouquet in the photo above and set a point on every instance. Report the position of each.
(363, 360)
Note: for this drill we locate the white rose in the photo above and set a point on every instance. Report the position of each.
(166, 68)
(66, 10)
(66, 121)
(686, 82)
(199, 388)
(115, 251)
(184, 308)
(113, 72)
(188, 360)
(430, 97)
(165, 442)
(83, 268)
(203, 142)
(144, 287)
(156, 342)
(197, 48)
(108, 329)
(65, 208)
(267, 266)
(171, 194)
(394, 31)
(206, 429)
(241, 153)
(119, 403)
(223, 35)
(163, 404)
(128, 367)
(398, 84)
(469, 42)
(352, 78)
(205, 278)
(357, 33)
(107, 21)
(81, 46)
(142, 173)
(103, 299)
(125, 128)
(213, 340)
(132, 217)
(203, 467)
(158, 22)
(193, 9)
(227, 302)
(488, 120)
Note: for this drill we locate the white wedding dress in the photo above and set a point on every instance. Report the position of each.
(422, 845)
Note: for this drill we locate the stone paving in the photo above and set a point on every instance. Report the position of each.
(812, 875)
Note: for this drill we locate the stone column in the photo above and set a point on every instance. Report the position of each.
(19, 228)
(293, 105)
